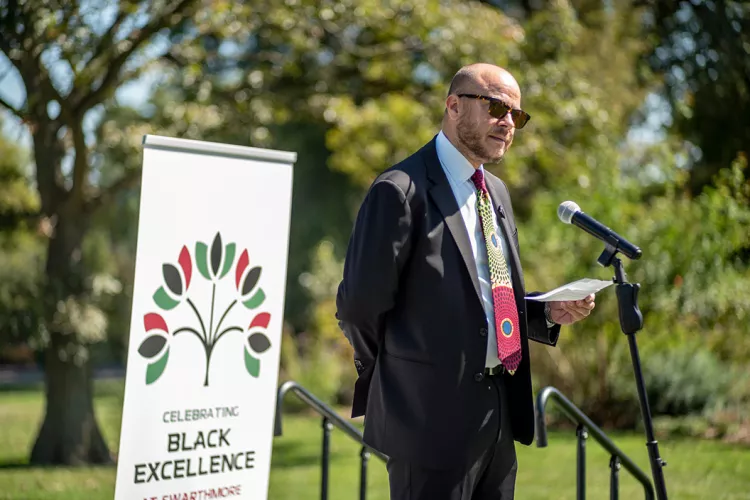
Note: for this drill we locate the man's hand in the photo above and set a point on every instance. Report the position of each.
(569, 311)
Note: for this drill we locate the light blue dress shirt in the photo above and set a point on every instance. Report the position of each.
(459, 171)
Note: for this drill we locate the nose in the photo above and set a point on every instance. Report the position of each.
(507, 120)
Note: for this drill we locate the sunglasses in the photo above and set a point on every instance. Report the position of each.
(498, 109)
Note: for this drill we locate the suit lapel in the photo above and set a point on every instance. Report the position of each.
(442, 195)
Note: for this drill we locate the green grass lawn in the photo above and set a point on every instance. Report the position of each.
(696, 470)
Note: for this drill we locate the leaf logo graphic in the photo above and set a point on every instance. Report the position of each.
(221, 258)
(257, 342)
(213, 264)
(250, 295)
(154, 344)
(177, 281)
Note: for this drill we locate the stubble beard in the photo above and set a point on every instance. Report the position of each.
(473, 142)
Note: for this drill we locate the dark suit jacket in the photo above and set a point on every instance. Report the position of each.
(410, 304)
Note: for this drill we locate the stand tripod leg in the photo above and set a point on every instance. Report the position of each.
(653, 448)
(631, 321)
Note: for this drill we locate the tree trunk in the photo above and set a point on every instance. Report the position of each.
(69, 434)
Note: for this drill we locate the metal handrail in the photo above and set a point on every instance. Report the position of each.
(585, 425)
(330, 419)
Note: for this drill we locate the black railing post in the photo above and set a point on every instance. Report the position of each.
(327, 427)
(365, 456)
(614, 478)
(578, 417)
(581, 463)
(331, 419)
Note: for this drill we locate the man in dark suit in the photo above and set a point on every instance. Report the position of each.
(433, 302)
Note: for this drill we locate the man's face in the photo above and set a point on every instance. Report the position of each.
(483, 136)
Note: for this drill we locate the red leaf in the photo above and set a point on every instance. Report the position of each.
(153, 321)
(242, 264)
(261, 319)
(186, 265)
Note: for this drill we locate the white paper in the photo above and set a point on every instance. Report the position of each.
(576, 290)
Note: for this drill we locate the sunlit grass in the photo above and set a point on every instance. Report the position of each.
(696, 470)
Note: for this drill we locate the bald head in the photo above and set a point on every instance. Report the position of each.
(483, 77)
(468, 122)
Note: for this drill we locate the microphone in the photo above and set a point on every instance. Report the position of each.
(570, 213)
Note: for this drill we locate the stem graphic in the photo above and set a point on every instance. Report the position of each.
(191, 330)
(227, 330)
(218, 327)
(211, 324)
(210, 337)
(215, 335)
(209, 350)
(200, 319)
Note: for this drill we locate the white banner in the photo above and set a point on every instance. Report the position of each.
(205, 334)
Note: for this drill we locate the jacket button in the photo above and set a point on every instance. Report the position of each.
(482, 332)
(479, 377)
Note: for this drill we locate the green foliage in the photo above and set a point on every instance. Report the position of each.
(694, 282)
(577, 81)
(21, 252)
(320, 358)
(18, 202)
(69, 61)
(702, 50)
(368, 138)
(685, 380)
(351, 86)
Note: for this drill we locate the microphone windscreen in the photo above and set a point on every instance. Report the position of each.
(566, 210)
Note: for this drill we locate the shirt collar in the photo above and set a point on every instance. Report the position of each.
(455, 164)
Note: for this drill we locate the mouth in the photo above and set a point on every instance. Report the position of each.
(498, 139)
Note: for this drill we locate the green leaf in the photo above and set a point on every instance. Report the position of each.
(252, 364)
(163, 300)
(255, 300)
(201, 259)
(228, 259)
(154, 370)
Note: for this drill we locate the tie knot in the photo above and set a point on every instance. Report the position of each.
(478, 178)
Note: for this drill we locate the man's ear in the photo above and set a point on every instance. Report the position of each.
(451, 105)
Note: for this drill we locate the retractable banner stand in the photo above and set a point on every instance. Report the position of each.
(205, 332)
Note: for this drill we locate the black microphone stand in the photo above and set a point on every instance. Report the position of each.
(631, 320)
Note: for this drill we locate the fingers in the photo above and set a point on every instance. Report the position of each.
(587, 303)
(576, 312)
(579, 309)
(570, 311)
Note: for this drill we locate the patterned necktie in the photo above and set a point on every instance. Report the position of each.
(504, 302)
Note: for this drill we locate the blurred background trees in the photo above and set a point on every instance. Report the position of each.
(68, 59)
(640, 114)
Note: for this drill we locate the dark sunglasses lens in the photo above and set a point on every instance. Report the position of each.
(519, 118)
(498, 109)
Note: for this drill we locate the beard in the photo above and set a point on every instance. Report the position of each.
(475, 143)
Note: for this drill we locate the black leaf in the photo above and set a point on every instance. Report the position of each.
(151, 346)
(172, 278)
(216, 250)
(259, 342)
(251, 280)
